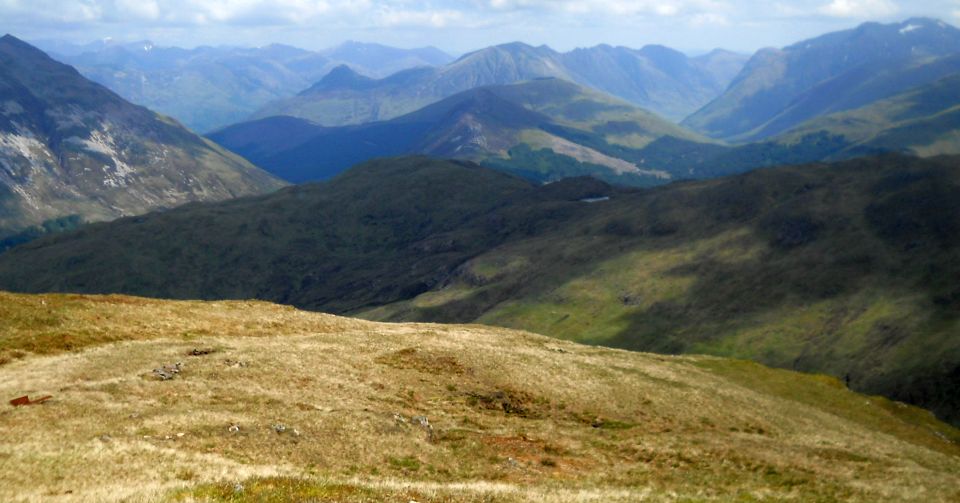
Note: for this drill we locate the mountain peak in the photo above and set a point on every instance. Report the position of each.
(341, 77)
(10, 40)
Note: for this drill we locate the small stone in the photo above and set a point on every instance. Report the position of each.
(180, 435)
(279, 428)
(234, 428)
(238, 488)
(105, 438)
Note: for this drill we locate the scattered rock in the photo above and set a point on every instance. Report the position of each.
(628, 299)
(168, 372)
(238, 488)
(201, 352)
(106, 438)
(424, 423)
(235, 363)
(234, 428)
(279, 428)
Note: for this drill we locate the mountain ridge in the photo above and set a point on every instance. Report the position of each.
(538, 119)
(209, 87)
(70, 147)
(648, 77)
(775, 80)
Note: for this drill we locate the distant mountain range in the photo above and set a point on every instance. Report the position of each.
(844, 269)
(545, 129)
(779, 89)
(71, 149)
(211, 87)
(656, 78)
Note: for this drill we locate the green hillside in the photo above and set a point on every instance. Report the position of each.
(846, 269)
(923, 121)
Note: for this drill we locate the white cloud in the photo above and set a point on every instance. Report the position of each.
(138, 9)
(861, 9)
(409, 18)
(463, 24)
(706, 19)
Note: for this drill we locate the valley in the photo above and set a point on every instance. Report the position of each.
(826, 268)
(479, 252)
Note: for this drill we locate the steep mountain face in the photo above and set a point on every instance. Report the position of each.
(845, 269)
(545, 129)
(923, 121)
(779, 89)
(656, 78)
(431, 413)
(69, 147)
(210, 87)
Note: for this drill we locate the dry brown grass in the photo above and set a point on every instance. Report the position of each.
(514, 416)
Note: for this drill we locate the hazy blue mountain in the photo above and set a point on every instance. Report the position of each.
(70, 148)
(781, 88)
(545, 129)
(656, 78)
(210, 87)
(379, 60)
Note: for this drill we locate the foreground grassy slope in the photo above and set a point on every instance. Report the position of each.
(848, 269)
(513, 416)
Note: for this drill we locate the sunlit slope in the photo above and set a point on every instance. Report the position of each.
(513, 416)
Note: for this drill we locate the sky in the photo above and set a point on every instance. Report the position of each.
(457, 26)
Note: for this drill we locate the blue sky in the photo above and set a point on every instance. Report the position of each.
(457, 25)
